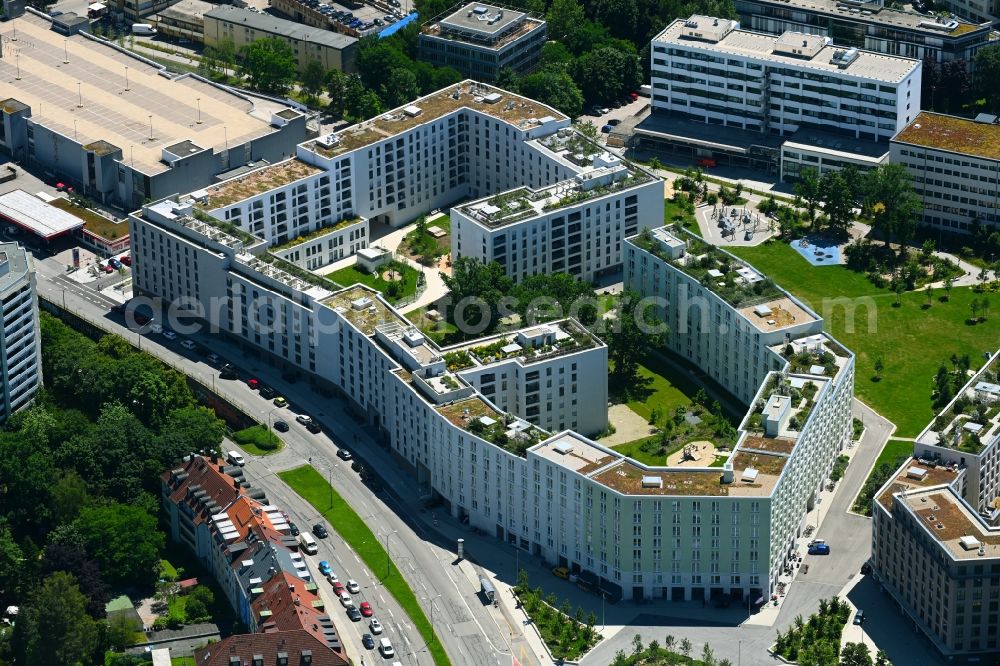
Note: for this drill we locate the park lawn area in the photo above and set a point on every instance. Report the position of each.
(309, 484)
(442, 332)
(258, 440)
(416, 244)
(673, 212)
(911, 341)
(893, 450)
(660, 386)
(346, 277)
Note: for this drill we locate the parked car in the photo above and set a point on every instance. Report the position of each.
(338, 588)
(280, 402)
(114, 263)
(344, 454)
(187, 344)
(615, 122)
(353, 587)
(281, 426)
(375, 626)
(228, 372)
(304, 419)
(346, 600)
(313, 427)
(368, 641)
(607, 129)
(324, 567)
(353, 614)
(293, 529)
(127, 260)
(253, 383)
(266, 392)
(213, 358)
(385, 647)
(366, 609)
(236, 458)
(819, 549)
(859, 617)
(108, 268)
(561, 572)
(320, 531)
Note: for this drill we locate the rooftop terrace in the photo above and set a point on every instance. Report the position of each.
(971, 421)
(528, 345)
(364, 308)
(257, 182)
(477, 416)
(112, 116)
(514, 109)
(953, 134)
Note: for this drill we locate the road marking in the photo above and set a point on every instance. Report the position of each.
(382, 599)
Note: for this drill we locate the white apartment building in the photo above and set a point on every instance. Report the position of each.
(935, 540)
(575, 226)
(561, 496)
(954, 163)
(20, 347)
(829, 101)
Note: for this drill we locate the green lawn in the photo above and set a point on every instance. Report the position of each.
(258, 440)
(346, 277)
(912, 341)
(892, 452)
(656, 390)
(417, 245)
(182, 661)
(674, 212)
(308, 483)
(167, 570)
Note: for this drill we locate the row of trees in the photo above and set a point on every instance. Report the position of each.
(949, 86)
(80, 470)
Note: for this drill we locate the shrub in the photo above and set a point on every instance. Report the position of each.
(259, 436)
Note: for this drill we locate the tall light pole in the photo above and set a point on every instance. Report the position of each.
(431, 599)
(388, 560)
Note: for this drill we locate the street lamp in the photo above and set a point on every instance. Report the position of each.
(388, 561)
(431, 600)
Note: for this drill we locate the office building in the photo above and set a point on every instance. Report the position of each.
(954, 163)
(478, 443)
(873, 26)
(776, 103)
(479, 40)
(935, 540)
(246, 544)
(183, 20)
(112, 126)
(331, 49)
(575, 226)
(20, 345)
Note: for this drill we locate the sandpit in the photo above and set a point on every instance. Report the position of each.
(693, 454)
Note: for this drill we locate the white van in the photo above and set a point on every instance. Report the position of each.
(308, 543)
(385, 647)
(143, 29)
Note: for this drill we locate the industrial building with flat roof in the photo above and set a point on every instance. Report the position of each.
(935, 534)
(331, 49)
(119, 128)
(480, 39)
(955, 164)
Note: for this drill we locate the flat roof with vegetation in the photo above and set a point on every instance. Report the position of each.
(956, 135)
(258, 181)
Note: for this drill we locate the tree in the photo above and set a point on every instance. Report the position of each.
(554, 56)
(707, 656)
(685, 648)
(669, 642)
(224, 52)
(554, 88)
(984, 305)
(476, 291)
(564, 19)
(53, 626)
(342, 89)
(605, 74)
(879, 367)
(890, 202)
(987, 61)
(838, 202)
(313, 78)
(948, 285)
(366, 105)
(376, 58)
(124, 540)
(636, 644)
(929, 293)
(399, 87)
(807, 188)
(855, 654)
(956, 84)
(11, 564)
(122, 630)
(632, 337)
(66, 551)
(882, 659)
(269, 64)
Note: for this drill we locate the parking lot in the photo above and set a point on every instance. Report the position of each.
(612, 115)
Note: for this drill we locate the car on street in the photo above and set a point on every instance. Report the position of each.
(366, 609)
(187, 344)
(324, 567)
(114, 263)
(614, 122)
(169, 335)
(353, 587)
(368, 641)
(304, 419)
(375, 626)
(320, 531)
(561, 572)
(108, 268)
(281, 426)
(253, 383)
(236, 458)
(293, 529)
(266, 392)
(859, 617)
(213, 358)
(280, 402)
(605, 110)
(156, 328)
(344, 454)
(338, 588)
(607, 129)
(228, 372)
(127, 260)
(313, 427)
(354, 614)
(346, 600)
(385, 647)
(819, 549)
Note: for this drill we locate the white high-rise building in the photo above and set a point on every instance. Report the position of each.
(20, 347)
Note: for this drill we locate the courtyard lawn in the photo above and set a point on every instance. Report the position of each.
(894, 451)
(422, 245)
(346, 277)
(312, 487)
(658, 386)
(441, 332)
(911, 341)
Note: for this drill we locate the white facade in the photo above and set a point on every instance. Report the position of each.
(710, 70)
(955, 163)
(576, 226)
(325, 246)
(20, 347)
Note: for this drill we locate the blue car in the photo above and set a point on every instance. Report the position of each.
(819, 549)
(606, 129)
(324, 567)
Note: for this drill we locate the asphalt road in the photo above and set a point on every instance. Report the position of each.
(470, 632)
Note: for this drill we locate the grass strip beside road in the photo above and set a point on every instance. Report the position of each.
(312, 487)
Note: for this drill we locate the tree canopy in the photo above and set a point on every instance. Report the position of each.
(269, 64)
(987, 62)
(53, 627)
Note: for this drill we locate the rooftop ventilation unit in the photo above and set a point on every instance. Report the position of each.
(969, 543)
(413, 111)
(563, 447)
(918, 473)
(328, 140)
(652, 482)
(843, 58)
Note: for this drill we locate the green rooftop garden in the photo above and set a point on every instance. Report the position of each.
(313, 235)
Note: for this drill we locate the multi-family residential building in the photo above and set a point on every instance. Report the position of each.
(576, 226)
(875, 27)
(935, 540)
(112, 126)
(246, 544)
(480, 39)
(477, 443)
(777, 103)
(20, 345)
(955, 163)
(244, 26)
